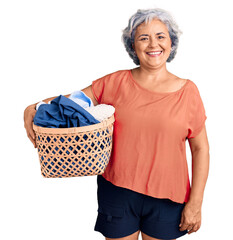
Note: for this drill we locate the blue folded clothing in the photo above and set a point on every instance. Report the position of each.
(62, 112)
(81, 98)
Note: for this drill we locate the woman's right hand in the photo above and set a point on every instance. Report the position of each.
(29, 114)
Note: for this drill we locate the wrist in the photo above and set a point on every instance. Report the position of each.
(195, 200)
(33, 106)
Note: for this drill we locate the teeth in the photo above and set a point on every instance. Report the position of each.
(154, 53)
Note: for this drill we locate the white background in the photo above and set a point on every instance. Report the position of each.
(51, 47)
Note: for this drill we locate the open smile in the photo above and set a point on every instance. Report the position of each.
(154, 54)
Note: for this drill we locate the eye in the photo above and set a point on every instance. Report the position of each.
(160, 37)
(143, 39)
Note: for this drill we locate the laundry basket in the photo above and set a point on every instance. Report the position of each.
(76, 151)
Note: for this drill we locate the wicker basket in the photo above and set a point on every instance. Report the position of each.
(72, 152)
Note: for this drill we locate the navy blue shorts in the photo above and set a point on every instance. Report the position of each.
(121, 212)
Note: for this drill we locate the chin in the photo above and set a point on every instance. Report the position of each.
(155, 65)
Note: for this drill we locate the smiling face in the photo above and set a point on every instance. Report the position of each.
(152, 44)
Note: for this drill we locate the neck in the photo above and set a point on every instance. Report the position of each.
(155, 74)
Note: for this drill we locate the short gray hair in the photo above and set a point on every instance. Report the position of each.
(146, 16)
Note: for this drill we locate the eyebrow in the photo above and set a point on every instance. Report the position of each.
(148, 35)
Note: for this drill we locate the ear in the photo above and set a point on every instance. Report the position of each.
(133, 46)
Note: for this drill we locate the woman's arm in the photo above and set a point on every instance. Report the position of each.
(200, 165)
(191, 215)
(30, 112)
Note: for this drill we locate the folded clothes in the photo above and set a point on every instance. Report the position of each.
(101, 111)
(63, 112)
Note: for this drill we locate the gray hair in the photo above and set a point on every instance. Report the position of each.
(146, 16)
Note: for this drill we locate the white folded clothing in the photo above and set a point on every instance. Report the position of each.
(101, 111)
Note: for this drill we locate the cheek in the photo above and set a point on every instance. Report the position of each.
(167, 44)
(140, 47)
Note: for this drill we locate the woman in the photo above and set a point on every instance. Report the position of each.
(145, 187)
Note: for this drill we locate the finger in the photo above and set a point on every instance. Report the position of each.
(184, 226)
(30, 131)
(31, 135)
(32, 140)
(190, 227)
(181, 221)
(189, 232)
(194, 229)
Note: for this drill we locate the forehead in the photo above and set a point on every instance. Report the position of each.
(154, 25)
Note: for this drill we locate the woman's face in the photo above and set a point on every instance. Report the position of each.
(152, 44)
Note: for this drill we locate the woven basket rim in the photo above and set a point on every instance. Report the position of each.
(92, 127)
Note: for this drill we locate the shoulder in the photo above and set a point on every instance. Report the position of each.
(112, 80)
(193, 93)
(192, 83)
(182, 83)
(192, 87)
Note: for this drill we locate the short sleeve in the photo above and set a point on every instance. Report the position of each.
(195, 113)
(98, 88)
(105, 88)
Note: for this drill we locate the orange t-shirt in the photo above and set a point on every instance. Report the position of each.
(150, 130)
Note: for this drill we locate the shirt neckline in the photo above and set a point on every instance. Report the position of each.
(153, 92)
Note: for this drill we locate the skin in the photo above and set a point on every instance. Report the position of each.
(152, 74)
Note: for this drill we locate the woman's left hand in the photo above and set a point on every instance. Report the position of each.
(191, 217)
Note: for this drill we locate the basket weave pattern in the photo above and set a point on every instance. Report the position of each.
(72, 152)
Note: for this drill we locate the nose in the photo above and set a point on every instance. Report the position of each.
(153, 42)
